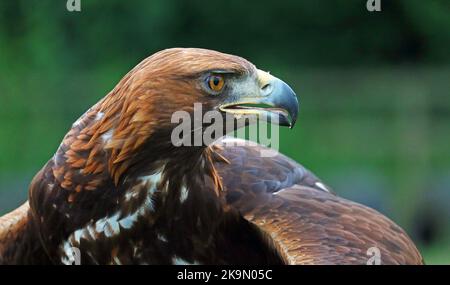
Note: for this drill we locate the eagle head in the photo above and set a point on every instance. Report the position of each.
(177, 79)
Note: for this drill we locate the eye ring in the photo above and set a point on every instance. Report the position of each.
(215, 82)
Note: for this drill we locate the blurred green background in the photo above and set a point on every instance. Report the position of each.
(374, 87)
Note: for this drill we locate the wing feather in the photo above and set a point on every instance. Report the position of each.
(306, 221)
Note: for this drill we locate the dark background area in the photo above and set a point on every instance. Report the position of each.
(374, 87)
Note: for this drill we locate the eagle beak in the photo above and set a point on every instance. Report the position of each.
(273, 102)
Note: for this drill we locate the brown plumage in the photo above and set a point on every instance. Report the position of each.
(120, 191)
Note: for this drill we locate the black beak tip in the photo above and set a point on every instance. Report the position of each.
(292, 125)
(292, 108)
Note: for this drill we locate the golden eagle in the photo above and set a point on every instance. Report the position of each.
(118, 190)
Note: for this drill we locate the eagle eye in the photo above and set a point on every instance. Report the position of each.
(215, 82)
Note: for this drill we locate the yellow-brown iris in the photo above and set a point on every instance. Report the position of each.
(216, 82)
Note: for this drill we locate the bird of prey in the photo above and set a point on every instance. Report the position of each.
(118, 191)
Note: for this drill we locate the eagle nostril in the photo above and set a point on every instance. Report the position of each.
(266, 89)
